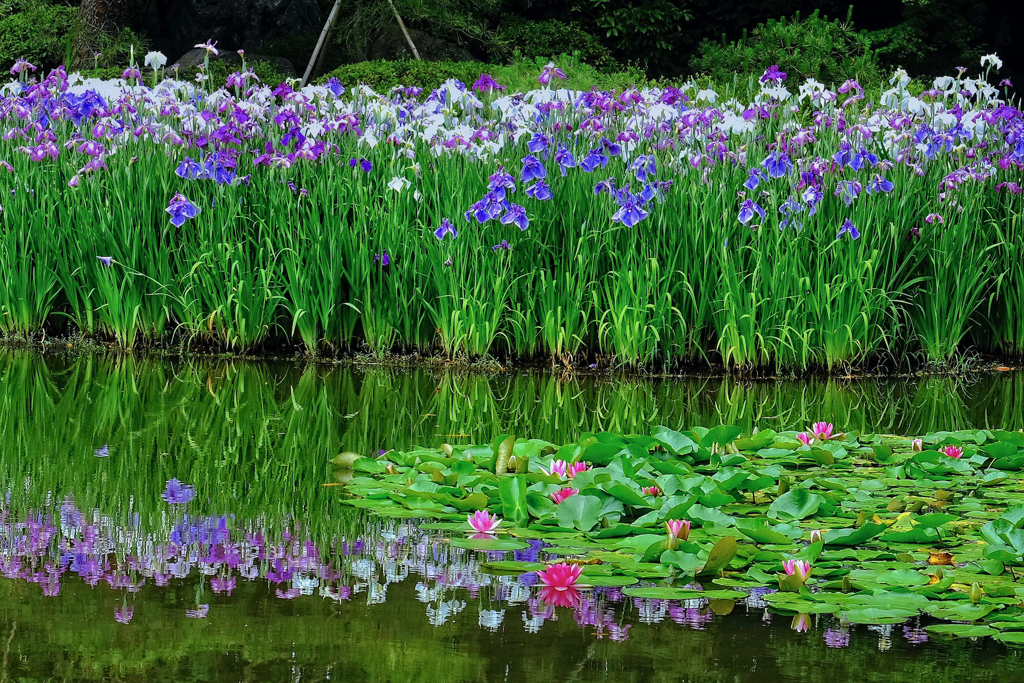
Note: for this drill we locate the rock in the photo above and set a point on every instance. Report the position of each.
(178, 25)
(391, 44)
(195, 57)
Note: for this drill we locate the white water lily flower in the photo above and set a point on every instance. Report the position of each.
(993, 60)
(156, 60)
(399, 184)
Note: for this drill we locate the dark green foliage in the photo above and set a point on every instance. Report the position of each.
(647, 32)
(549, 38)
(934, 38)
(38, 33)
(298, 48)
(829, 51)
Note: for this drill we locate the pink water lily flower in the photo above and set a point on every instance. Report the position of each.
(652, 491)
(578, 467)
(822, 430)
(561, 576)
(559, 468)
(562, 494)
(678, 528)
(954, 452)
(802, 568)
(484, 522)
(805, 438)
(801, 623)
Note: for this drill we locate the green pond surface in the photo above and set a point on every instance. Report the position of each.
(264, 575)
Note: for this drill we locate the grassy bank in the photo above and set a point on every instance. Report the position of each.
(748, 226)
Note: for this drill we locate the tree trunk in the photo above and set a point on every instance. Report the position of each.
(97, 19)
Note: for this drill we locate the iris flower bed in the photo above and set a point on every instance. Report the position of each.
(765, 223)
(872, 529)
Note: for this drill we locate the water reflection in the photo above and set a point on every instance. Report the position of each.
(175, 513)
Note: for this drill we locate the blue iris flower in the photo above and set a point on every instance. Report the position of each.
(564, 159)
(539, 143)
(848, 229)
(644, 166)
(593, 160)
(446, 229)
(755, 178)
(181, 209)
(631, 211)
(539, 191)
(532, 169)
(747, 210)
(500, 182)
(880, 184)
(777, 164)
(848, 190)
(517, 216)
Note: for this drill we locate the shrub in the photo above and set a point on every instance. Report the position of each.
(829, 51)
(39, 33)
(934, 38)
(545, 39)
(520, 76)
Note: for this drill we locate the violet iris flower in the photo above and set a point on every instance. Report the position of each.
(605, 186)
(107, 261)
(812, 195)
(858, 160)
(383, 259)
(550, 70)
(755, 178)
(188, 169)
(181, 209)
(777, 164)
(612, 148)
(539, 143)
(335, 87)
(747, 210)
(486, 83)
(880, 184)
(564, 159)
(631, 211)
(500, 182)
(503, 245)
(446, 229)
(593, 160)
(773, 74)
(102, 452)
(539, 191)
(532, 169)
(516, 215)
(850, 229)
(644, 166)
(177, 493)
(848, 190)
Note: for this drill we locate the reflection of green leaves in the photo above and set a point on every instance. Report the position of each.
(795, 504)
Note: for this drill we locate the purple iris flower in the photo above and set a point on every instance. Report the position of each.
(486, 83)
(773, 74)
(188, 169)
(504, 245)
(778, 164)
(564, 159)
(644, 166)
(848, 190)
(181, 209)
(532, 169)
(539, 143)
(880, 184)
(631, 211)
(539, 191)
(747, 210)
(843, 156)
(446, 229)
(612, 148)
(500, 182)
(648, 193)
(491, 206)
(812, 196)
(755, 178)
(177, 493)
(549, 71)
(605, 186)
(516, 215)
(593, 160)
(383, 259)
(850, 229)
(335, 87)
(860, 158)
(107, 261)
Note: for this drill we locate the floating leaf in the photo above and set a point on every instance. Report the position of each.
(795, 504)
(720, 557)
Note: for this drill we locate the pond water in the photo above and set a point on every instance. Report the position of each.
(266, 576)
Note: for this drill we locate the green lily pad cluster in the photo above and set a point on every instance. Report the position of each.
(892, 527)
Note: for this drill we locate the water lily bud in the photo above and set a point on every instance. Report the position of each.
(847, 586)
(390, 469)
(917, 445)
(940, 574)
(816, 536)
(975, 593)
(446, 448)
(862, 518)
(783, 485)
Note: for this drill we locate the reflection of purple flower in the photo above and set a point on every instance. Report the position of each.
(199, 612)
(177, 493)
(837, 637)
(915, 634)
(102, 452)
(124, 614)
